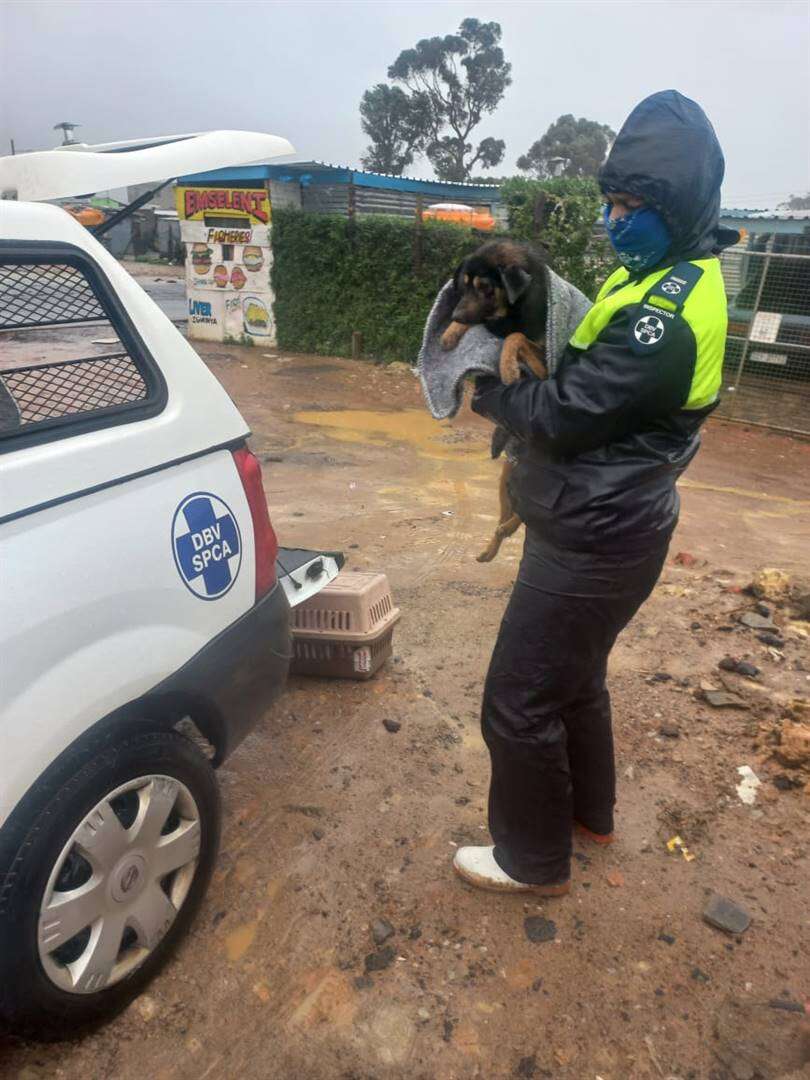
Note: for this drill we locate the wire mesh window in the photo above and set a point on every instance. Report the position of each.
(45, 295)
(766, 374)
(48, 391)
(62, 357)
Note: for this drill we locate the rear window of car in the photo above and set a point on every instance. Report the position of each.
(70, 357)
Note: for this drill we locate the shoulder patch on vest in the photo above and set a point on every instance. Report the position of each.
(652, 324)
(650, 327)
(679, 282)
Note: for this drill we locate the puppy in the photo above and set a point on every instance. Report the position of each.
(503, 286)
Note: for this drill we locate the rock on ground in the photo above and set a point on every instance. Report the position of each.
(794, 745)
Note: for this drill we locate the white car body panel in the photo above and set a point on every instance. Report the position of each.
(101, 614)
(96, 611)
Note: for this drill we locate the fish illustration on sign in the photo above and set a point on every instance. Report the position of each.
(256, 316)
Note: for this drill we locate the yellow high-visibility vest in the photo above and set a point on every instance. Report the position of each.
(694, 291)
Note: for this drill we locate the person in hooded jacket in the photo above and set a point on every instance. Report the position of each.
(604, 442)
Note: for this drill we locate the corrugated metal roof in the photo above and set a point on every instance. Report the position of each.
(321, 172)
(391, 176)
(740, 214)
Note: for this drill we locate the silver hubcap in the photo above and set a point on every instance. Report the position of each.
(118, 884)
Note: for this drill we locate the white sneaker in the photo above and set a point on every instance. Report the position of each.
(477, 866)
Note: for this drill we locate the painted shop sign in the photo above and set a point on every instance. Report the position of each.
(194, 203)
(229, 236)
(197, 232)
(256, 316)
(200, 313)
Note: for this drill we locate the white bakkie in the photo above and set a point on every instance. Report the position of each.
(144, 627)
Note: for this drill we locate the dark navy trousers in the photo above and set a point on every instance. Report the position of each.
(546, 709)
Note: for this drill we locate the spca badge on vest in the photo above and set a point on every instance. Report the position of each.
(648, 330)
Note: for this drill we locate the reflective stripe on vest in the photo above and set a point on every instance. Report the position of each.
(705, 310)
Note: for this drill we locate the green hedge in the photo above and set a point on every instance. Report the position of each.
(332, 277)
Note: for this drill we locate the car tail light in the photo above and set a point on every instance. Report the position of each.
(264, 538)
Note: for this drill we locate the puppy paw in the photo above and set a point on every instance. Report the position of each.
(453, 335)
(489, 553)
(519, 354)
(509, 363)
(533, 356)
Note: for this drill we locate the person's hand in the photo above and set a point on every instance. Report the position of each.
(485, 396)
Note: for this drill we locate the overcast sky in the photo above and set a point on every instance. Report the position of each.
(127, 69)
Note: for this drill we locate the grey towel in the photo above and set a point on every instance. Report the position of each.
(442, 373)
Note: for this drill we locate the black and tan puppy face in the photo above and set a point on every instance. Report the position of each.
(489, 283)
(502, 285)
(482, 297)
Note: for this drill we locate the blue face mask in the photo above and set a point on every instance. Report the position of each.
(640, 238)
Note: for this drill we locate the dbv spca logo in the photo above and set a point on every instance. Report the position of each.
(207, 545)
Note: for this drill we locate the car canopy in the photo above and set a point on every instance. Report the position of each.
(83, 169)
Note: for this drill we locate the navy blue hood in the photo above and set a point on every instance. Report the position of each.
(667, 154)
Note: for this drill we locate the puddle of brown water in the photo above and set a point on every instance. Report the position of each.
(429, 437)
(240, 940)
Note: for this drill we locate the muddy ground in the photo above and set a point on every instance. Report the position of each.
(333, 822)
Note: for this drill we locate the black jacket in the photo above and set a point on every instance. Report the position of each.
(607, 437)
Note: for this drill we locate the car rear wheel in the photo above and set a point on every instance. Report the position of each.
(105, 882)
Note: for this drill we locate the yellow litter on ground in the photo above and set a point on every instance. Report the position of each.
(675, 843)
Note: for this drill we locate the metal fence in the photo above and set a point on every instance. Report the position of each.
(766, 374)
